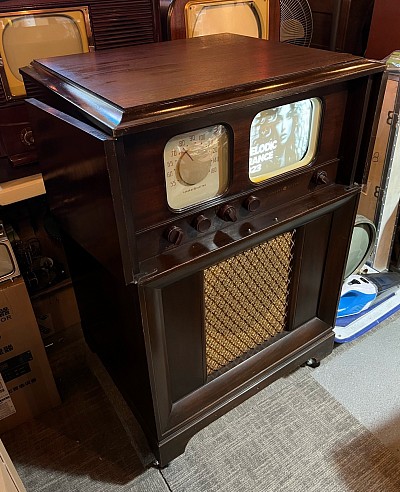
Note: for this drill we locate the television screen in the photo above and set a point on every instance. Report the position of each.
(7, 265)
(204, 18)
(283, 138)
(25, 36)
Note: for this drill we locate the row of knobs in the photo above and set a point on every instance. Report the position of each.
(202, 223)
(227, 212)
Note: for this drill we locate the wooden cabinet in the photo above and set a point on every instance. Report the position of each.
(193, 309)
(384, 35)
(341, 25)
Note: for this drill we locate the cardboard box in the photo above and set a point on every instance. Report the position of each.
(56, 311)
(27, 386)
(9, 479)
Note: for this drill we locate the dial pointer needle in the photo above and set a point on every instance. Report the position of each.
(186, 152)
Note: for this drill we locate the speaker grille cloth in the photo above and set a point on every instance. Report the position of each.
(246, 299)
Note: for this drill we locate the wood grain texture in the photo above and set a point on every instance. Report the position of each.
(158, 81)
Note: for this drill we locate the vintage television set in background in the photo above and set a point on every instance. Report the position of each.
(43, 29)
(207, 213)
(8, 263)
(192, 18)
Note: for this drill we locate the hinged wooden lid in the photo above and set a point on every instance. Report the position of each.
(120, 90)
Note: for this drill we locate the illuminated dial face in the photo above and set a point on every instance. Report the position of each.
(196, 166)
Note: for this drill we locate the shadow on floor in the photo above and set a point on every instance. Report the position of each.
(384, 471)
(83, 437)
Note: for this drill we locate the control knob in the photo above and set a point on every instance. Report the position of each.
(202, 223)
(251, 203)
(227, 212)
(320, 178)
(174, 235)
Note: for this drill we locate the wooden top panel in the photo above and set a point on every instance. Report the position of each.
(176, 75)
(174, 69)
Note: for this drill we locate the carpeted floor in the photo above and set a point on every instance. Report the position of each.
(297, 435)
(370, 369)
(292, 437)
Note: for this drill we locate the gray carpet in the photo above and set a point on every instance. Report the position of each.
(291, 437)
(371, 369)
(294, 436)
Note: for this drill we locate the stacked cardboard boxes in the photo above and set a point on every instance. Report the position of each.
(27, 386)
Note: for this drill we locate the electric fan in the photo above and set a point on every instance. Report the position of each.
(296, 22)
(362, 243)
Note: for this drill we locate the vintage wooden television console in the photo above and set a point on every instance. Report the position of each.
(192, 18)
(37, 29)
(207, 258)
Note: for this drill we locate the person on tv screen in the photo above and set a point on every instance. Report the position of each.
(292, 128)
(280, 136)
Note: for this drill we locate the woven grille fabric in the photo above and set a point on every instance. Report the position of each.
(246, 300)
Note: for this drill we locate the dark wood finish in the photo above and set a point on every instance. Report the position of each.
(359, 113)
(309, 272)
(384, 36)
(322, 15)
(102, 161)
(113, 23)
(341, 25)
(120, 111)
(228, 62)
(125, 358)
(173, 19)
(184, 347)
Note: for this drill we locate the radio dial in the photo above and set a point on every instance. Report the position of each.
(252, 203)
(174, 235)
(228, 213)
(202, 223)
(196, 166)
(193, 168)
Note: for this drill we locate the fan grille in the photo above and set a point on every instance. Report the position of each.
(296, 22)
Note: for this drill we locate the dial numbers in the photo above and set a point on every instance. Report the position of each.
(196, 166)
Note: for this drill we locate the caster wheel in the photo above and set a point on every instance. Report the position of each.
(156, 464)
(312, 363)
